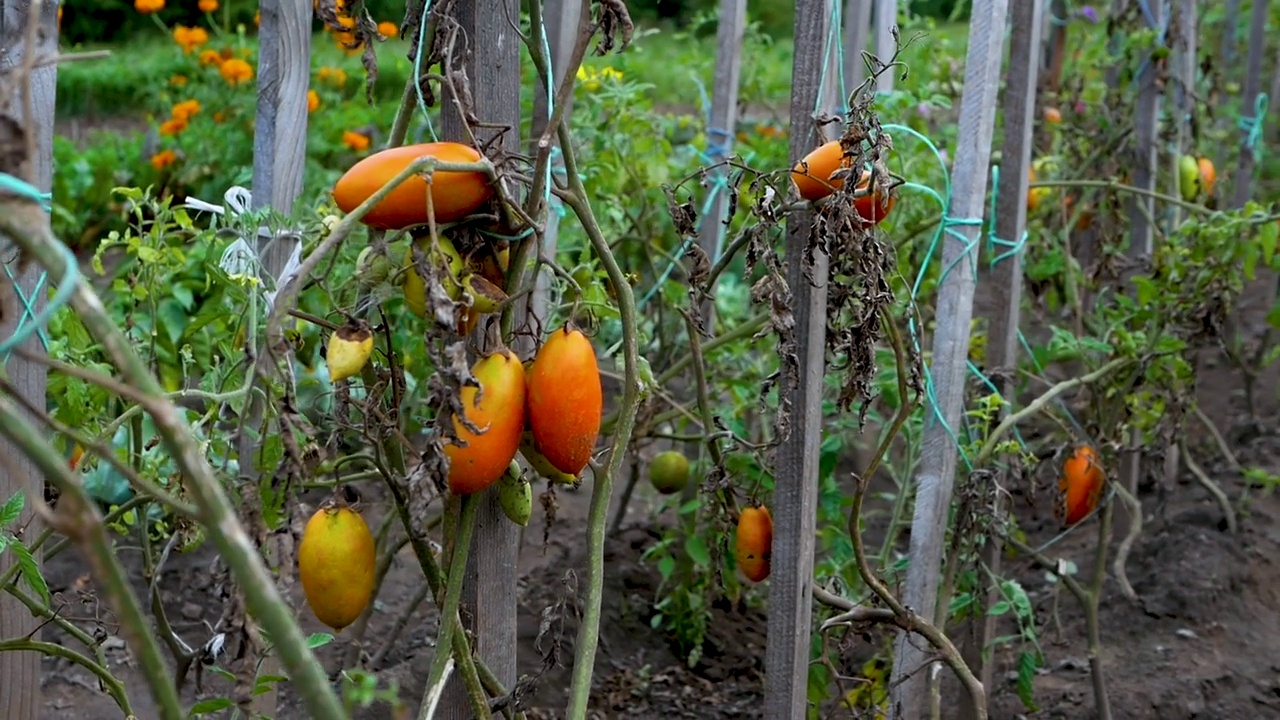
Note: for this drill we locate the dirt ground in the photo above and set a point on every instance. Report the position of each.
(1202, 641)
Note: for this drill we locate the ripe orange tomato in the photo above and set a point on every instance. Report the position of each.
(1208, 175)
(1080, 486)
(566, 400)
(754, 547)
(1052, 115)
(812, 177)
(500, 413)
(454, 195)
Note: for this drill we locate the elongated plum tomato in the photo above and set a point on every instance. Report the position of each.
(566, 399)
(1079, 486)
(812, 177)
(454, 195)
(336, 564)
(500, 414)
(754, 546)
(1208, 175)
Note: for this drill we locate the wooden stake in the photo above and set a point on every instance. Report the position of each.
(1243, 185)
(795, 495)
(20, 672)
(492, 63)
(1006, 278)
(937, 469)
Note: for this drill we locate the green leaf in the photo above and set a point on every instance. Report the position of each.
(697, 550)
(315, 640)
(1000, 608)
(1027, 664)
(666, 566)
(10, 511)
(212, 705)
(31, 572)
(1017, 596)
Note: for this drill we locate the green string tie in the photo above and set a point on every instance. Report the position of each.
(994, 241)
(1252, 124)
(31, 321)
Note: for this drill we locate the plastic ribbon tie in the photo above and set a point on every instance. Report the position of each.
(31, 321)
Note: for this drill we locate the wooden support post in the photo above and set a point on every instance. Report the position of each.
(1006, 279)
(561, 18)
(937, 469)
(885, 18)
(724, 117)
(1142, 213)
(857, 26)
(279, 161)
(795, 494)
(20, 672)
(491, 60)
(1055, 50)
(280, 127)
(1243, 186)
(1230, 17)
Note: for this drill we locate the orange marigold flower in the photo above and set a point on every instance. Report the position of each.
(347, 21)
(347, 41)
(178, 80)
(236, 71)
(190, 38)
(147, 7)
(210, 57)
(354, 140)
(208, 6)
(219, 116)
(313, 100)
(160, 161)
(186, 109)
(336, 76)
(389, 29)
(173, 126)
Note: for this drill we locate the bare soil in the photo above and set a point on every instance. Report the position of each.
(1202, 641)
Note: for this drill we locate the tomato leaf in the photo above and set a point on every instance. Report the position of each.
(1000, 608)
(212, 705)
(31, 572)
(1012, 591)
(1027, 664)
(10, 511)
(315, 640)
(697, 550)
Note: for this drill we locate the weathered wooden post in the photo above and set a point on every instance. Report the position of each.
(1055, 50)
(20, 672)
(561, 18)
(937, 469)
(1142, 207)
(1006, 276)
(885, 18)
(1230, 18)
(491, 60)
(795, 493)
(279, 160)
(857, 25)
(1251, 140)
(724, 117)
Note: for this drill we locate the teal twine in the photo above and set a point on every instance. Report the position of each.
(994, 241)
(833, 43)
(31, 321)
(1252, 124)
(947, 226)
(417, 68)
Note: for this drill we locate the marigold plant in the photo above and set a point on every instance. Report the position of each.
(356, 141)
(236, 71)
(146, 7)
(163, 159)
(208, 6)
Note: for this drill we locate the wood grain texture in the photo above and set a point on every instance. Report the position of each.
(491, 58)
(885, 18)
(1005, 278)
(561, 19)
(857, 29)
(20, 672)
(720, 128)
(280, 127)
(935, 477)
(795, 494)
(1242, 189)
